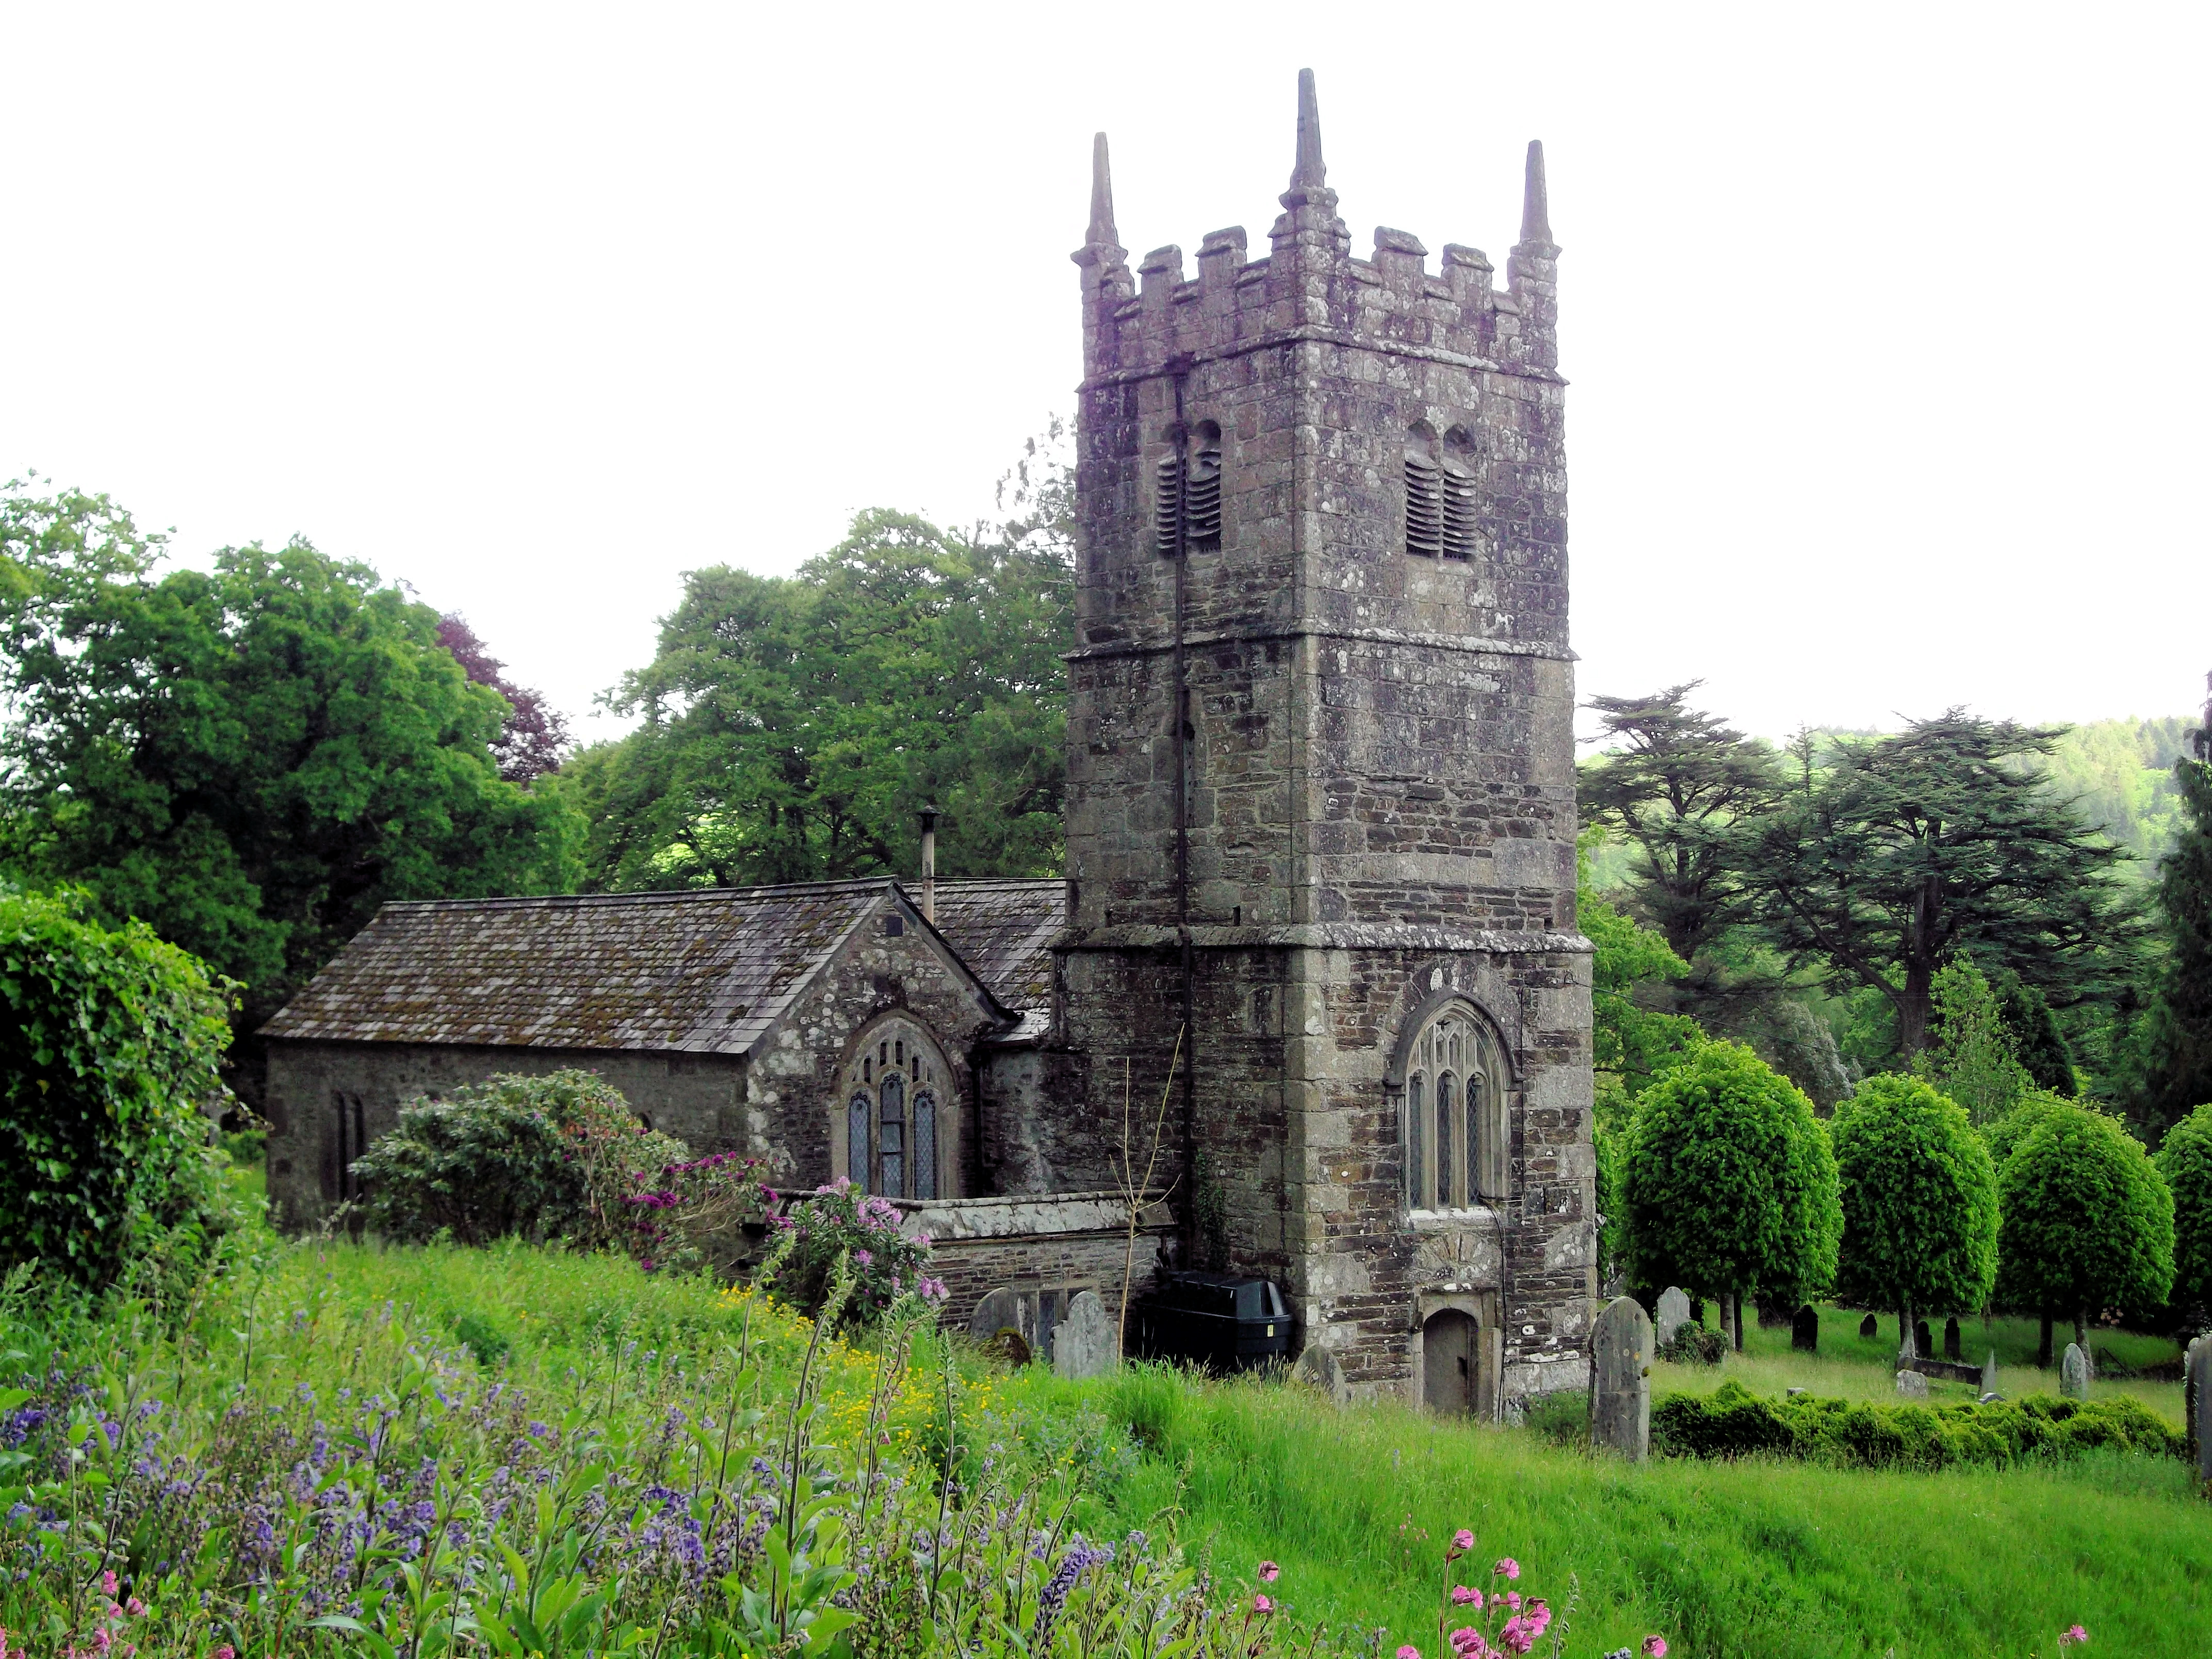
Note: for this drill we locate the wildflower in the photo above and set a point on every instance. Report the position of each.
(1464, 1597)
(1509, 1567)
(1467, 1644)
(1655, 1647)
(1268, 1572)
(1462, 1541)
(2072, 1634)
(226, 1651)
(1409, 1651)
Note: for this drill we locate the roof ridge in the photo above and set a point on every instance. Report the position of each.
(647, 896)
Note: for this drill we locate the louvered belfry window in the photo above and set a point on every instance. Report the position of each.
(1189, 496)
(1458, 513)
(1425, 509)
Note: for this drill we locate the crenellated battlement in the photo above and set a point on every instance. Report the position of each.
(1311, 285)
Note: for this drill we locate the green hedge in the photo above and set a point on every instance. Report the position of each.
(1733, 1422)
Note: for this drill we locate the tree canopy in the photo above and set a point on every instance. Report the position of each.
(1919, 1199)
(2185, 1159)
(1937, 843)
(1730, 1182)
(1677, 782)
(792, 728)
(2087, 1220)
(2170, 1056)
(251, 758)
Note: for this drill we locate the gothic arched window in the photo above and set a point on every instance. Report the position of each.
(894, 1133)
(1455, 1127)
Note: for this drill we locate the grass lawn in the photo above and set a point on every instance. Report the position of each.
(1852, 1367)
(1770, 1559)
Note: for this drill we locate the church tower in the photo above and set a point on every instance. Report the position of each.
(1321, 824)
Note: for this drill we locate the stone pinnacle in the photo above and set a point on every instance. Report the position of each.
(1102, 233)
(1535, 207)
(1311, 172)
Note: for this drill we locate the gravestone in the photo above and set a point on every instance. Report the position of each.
(2073, 1373)
(1924, 1345)
(2200, 1406)
(1318, 1370)
(1805, 1330)
(1620, 1380)
(1673, 1314)
(1989, 1373)
(1084, 1343)
(1001, 1310)
(1951, 1348)
(1869, 1327)
(1911, 1385)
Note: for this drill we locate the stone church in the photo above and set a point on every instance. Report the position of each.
(1321, 862)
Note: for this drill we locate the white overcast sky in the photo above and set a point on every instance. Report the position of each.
(1885, 324)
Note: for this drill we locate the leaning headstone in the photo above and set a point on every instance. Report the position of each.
(1004, 1309)
(1951, 1348)
(1869, 1329)
(2073, 1373)
(1911, 1385)
(1923, 1344)
(1084, 1343)
(1673, 1314)
(1805, 1330)
(1989, 1373)
(1620, 1380)
(1317, 1368)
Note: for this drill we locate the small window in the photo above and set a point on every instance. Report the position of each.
(894, 924)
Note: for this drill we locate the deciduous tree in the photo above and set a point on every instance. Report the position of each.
(2185, 1159)
(1919, 1199)
(251, 757)
(2088, 1222)
(1730, 1182)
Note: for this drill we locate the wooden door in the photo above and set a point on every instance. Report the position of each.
(1449, 1365)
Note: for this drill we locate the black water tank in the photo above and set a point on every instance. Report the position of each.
(1217, 1321)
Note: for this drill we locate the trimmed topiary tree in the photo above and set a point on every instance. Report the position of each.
(2185, 1159)
(556, 1157)
(1730, 1183)
(109, 1042)
(2088, 1223)
(1920, 1202)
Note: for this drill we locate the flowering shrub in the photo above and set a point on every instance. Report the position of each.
(700, 1213)
(815, 1230)
(538, 1158)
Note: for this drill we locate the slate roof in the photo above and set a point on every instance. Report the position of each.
(702, 972)
(1004, 930)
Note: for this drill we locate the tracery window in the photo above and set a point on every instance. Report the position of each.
(1454, 1104)
(892, 1143)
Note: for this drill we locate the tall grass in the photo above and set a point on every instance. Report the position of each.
(1755, 1559)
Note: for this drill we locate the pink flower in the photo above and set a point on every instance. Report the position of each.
(2073, 1633)
(1409, 1651)
(107, 1581)
(1462, 1541)
(1509, 1567)
(134, 1607)
(1262, 1604)
(861, 1258)
(1655, 1647)
(1467, 1644)
(1537, 1614)
(1464, 1597)
(226, 1651)
(1513, 1599)
(1269, 1573)
(1517, 1635)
